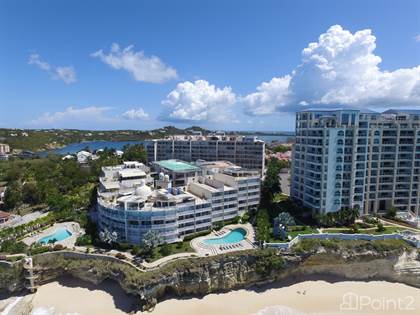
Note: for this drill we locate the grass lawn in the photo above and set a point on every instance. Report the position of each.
(388, 230)
(296, 230)
(181, 247)
(279, 197)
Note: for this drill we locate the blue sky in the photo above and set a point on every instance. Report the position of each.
(236, 65)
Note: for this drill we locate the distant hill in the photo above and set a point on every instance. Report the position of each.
(49, 139)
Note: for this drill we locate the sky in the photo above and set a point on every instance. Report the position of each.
(232, 65)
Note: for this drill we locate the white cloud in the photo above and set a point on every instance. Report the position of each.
(339, 69)
(269, 95)
(141, 67)
(72, 114)
(65, 73)
(35, 59)
(199, 101)
(136, 114)
(417, 38)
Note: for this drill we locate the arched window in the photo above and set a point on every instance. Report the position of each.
(338, 168)
(338, 176)
(337, 201)
(339, 151)
(377, 133)
(339, 159)
(340, 142)
(337, 193)
(340, 133)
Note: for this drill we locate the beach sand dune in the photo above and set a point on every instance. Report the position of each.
(310, 297)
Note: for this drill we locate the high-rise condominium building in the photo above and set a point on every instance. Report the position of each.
(247, 152)
(131, 202)
(357, 159)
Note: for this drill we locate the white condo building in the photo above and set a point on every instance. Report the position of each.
(131, 202)
(352, 158)
(245, 151)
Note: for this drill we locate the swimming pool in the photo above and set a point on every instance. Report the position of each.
(234, 236)
(58, 235)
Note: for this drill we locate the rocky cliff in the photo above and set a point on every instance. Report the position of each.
(221, 273)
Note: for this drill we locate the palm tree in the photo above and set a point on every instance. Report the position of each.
(151, 240)
(108, 237)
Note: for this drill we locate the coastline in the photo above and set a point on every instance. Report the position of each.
(303, 297)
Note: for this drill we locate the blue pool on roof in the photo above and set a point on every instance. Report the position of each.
(234, 236)
(58, 235)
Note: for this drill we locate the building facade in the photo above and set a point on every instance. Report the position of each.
(131, 202)
(356, 159)
(247, 152)
(4, 149)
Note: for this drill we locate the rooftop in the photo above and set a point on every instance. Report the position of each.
(177, 165)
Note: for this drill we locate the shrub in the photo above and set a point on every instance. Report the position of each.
(58, 247)
(13, 247)
(39, 250)
(165, 250)
(246, 217)
(135, 250)
(198, 234)
(120, 256)
(380, 227)
(391, 213)
(124, 246)
(84, 240)
(370, 220)
(269, 261)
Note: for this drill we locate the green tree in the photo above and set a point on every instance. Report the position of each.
(281, 148)
(135, 152)
(31, 193)
(165, 249)
(392, 212)
(380, 227)
(263, 225)
(12, 195)
(151, 240)
(286, 219)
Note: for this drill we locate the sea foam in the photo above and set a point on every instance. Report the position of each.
(49, 311)
(278, 310)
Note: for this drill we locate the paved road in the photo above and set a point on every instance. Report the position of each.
(19, 220)
(284, 182)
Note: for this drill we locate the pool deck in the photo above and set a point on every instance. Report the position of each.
(73, 227)
(203, 249)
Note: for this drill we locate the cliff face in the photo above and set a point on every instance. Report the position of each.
(225, 272)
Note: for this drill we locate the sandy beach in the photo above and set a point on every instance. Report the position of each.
(310, 297)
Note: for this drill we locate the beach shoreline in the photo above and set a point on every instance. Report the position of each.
(72, 296)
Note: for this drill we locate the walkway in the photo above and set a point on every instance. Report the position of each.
(164, 260)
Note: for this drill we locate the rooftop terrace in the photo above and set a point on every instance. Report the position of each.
(177, 165)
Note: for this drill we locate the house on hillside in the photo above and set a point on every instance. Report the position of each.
(2, 193)
(85, 156)
(4, 217)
